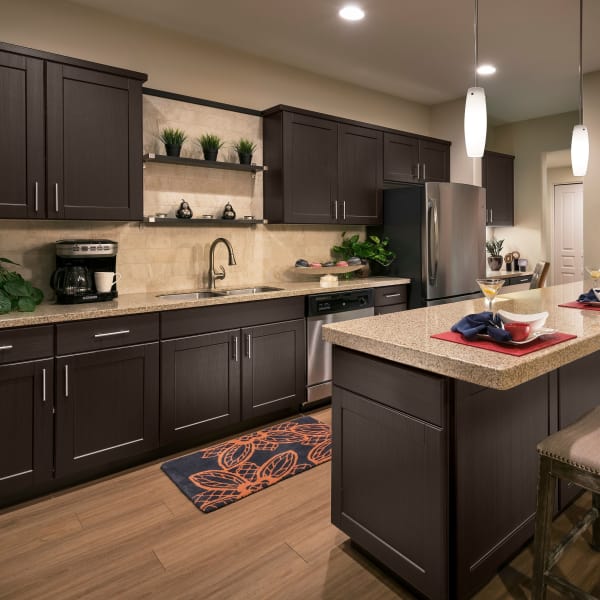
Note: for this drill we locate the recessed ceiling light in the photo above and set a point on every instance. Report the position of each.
(486, 69)
(351, 12)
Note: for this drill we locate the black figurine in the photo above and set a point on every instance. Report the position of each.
(228, 212)
(184, 211)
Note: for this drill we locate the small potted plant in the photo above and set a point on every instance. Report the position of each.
(494, 248)
(173, 140)
(373, 251)
(16, 293)
(211, 144)
(244, 149)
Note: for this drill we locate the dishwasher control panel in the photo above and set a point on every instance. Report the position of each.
(336, 302)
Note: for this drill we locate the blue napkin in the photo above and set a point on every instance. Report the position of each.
(484, 322)
(588, 297)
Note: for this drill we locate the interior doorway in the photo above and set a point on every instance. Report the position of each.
(568, 233)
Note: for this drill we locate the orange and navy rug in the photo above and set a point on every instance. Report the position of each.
(219, 475)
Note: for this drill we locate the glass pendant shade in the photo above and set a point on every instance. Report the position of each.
(580, 150)
(475, 122)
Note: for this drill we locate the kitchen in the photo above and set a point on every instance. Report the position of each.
(158, 259)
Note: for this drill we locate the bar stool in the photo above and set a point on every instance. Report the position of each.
(572, 454)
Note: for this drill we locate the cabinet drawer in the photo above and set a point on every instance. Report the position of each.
(98, 334)
(392, 308)
(392, 294)
(26, 343)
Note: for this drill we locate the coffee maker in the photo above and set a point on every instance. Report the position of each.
(76, 263)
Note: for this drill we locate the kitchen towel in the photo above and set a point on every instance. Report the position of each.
(221, 474)
(520, 350)
(484, 322)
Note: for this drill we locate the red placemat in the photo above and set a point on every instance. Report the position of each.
(537, 344)
(580, 305)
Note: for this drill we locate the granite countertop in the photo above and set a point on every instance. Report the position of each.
(128, 304)
(404, 337)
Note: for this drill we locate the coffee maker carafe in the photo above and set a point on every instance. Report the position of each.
(76, 263)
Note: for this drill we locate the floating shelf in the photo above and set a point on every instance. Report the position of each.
(200, 221)
(196, 162)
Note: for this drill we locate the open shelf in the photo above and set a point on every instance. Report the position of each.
(201, 221)
(196, 162)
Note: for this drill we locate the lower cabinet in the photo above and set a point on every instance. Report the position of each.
(390, 299)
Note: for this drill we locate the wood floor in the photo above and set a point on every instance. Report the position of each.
(135, 535)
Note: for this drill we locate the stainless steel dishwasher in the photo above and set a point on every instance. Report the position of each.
(322, 309)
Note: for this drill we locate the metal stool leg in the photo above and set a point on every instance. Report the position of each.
(543, 527)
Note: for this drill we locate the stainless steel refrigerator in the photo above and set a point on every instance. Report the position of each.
(437, 231)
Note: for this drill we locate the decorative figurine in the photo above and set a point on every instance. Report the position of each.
(228, 212)
(184, 211)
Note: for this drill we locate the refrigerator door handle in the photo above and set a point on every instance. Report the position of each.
(433, 252)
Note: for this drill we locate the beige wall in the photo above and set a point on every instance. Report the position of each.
(591, 186)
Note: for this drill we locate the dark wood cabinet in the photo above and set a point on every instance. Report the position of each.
(273, 367)
(76, 138)
(414, 159)
(390, 299)
(497, 177)
(321, 170)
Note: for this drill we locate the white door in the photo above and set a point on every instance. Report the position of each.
(568, 233)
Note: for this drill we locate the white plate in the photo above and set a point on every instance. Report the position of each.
(532, 336)
(536, 321)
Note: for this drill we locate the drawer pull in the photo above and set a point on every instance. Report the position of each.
(392, 295)
(111, 333)
(43, 385)
(66, 381)
(56, 197)
(249, 345)
(37, 196)
(9, 347)
(235, 348)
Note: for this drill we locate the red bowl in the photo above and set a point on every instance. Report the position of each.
(518, 331)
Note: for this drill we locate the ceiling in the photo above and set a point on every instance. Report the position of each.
(421, 50)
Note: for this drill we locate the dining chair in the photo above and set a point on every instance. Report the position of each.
(540, 273)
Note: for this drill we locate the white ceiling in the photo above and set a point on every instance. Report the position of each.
(421, 50)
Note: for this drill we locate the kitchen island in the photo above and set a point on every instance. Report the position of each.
(434, 460)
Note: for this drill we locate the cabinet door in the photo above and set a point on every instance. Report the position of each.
(310, 167)
(435, 160)
(400, 157)
(22, 125)
(360, 184)
(273, 367)
(200, 385)
(497, 172)
(94, 145)
(389, 488)
(26, 404)
(106, 407)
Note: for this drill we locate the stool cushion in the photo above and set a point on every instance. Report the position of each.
(578, 444)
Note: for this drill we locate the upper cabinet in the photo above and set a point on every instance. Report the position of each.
(320, 170)
(413, 159)
(497, 175)
(76, 138)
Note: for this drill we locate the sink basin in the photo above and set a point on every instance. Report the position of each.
(251, 290)
(188, 296)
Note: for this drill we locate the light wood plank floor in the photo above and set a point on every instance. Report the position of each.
(134, 535)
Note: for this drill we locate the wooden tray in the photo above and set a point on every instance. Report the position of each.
(326, 270)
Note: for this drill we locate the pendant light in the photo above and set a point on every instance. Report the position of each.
(580, 144)
(475, 109)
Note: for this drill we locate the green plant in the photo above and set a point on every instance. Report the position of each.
(372, 248)
(244, 146)
(494, 247)
(210, 141)
(15, 292)
(172, 137)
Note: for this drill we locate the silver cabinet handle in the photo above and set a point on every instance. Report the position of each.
(335, 204)
(424, 171)
(43, 385)
(56, 197)
(37, 196)
(249, 345)
(111, 333)
(66, 381)
(235, 348)
(491, 215)
(9, 347)
(418, 170)
(344, 210)
(392, 295)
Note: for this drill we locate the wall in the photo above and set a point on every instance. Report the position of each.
(591, 186)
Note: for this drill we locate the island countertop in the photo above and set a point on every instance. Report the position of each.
(405, 337)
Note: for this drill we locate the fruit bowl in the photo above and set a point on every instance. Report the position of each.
(535, 321)
(326, 270)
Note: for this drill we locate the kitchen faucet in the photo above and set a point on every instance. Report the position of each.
(213, 275)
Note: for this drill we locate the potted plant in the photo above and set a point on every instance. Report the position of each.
(173, 140)
(373, 251)
(494, 248)
(244, 149)
(15, 292)
(210, 145)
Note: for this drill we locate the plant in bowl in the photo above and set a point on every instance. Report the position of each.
(173, 140)
(244, 148)
(211, 144)
(373, 250)
(15, 292)
(494, 248)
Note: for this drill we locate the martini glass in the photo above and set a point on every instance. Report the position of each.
(490, 289)
(594, 273)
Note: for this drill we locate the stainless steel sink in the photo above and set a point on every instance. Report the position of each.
(251, 290)
(188, 296)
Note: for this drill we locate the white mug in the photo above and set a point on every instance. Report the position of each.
(104, 280)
